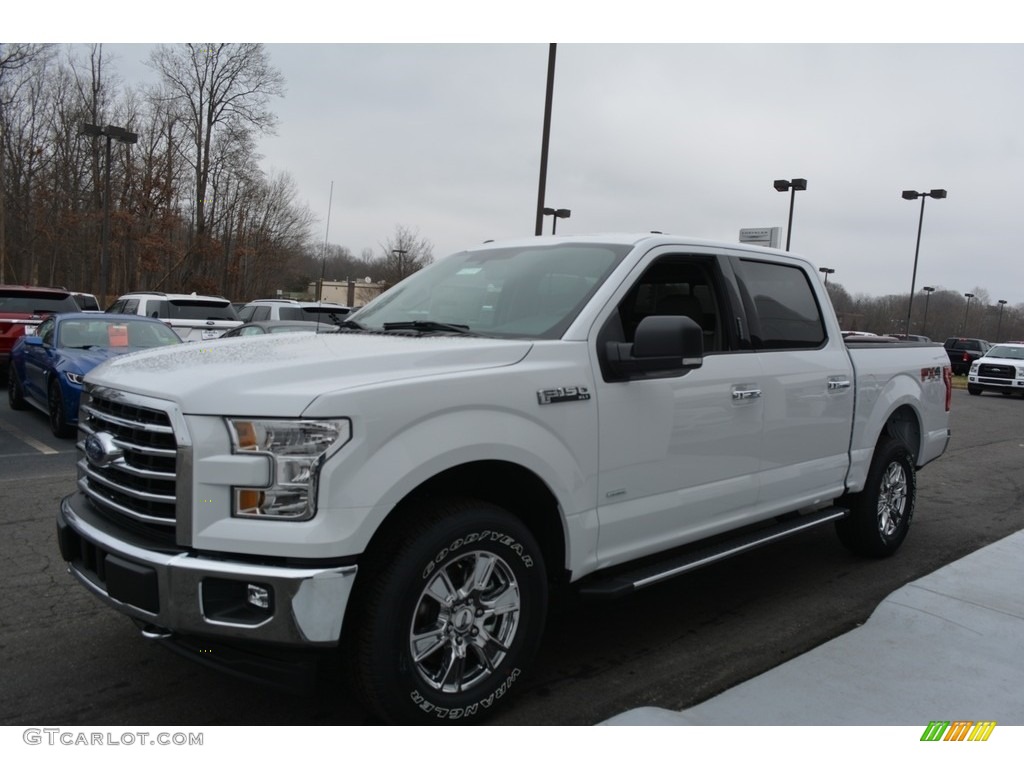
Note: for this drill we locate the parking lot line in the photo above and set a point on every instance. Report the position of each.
(29, 441)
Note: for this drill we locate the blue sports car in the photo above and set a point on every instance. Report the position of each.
(47, 368)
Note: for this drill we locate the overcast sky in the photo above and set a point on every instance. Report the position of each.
(686, 138)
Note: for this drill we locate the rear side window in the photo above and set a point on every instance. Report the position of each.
(786, 311)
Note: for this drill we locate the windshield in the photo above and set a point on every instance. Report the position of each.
(533, 292)
(124, 332)
(1006, 352)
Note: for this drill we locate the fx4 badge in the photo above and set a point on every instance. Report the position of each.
(562, 395)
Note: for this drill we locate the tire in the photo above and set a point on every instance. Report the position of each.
(55, 407)
(428, 643)
(15, 397)
(973, 389)
(880, 515)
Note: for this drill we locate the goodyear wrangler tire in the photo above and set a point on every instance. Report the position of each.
(880, 515)
(449, 616)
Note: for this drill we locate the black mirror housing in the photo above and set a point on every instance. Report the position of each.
(664, 345)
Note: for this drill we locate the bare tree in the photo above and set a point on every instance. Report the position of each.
(221, 92)
(403, 253)
(13, 57)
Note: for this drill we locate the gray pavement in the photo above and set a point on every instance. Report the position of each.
(949, 646)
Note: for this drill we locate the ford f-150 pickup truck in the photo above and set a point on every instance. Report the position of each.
(599, 413)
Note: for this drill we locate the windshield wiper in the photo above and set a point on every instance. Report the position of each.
(427, 326)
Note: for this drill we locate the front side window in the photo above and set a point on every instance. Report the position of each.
(45, 330)
(677, 285)
(533, 292)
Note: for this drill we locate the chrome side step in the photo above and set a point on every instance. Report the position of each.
(625, 582)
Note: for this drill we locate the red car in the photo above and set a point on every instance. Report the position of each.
(23, 306)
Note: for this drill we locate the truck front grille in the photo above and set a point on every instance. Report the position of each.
(128, 460)
(990, 371)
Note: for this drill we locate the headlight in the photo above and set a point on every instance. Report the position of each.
(74, 378)
(1020, 373)
(297, 448)
(974, 367)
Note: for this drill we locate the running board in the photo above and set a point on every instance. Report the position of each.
(625, 582)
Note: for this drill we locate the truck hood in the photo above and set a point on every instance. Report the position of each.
(281, 374)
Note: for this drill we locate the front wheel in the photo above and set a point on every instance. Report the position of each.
(880, 514)
(15, 397)
(58, 420)
(973, 389)
(447, 615)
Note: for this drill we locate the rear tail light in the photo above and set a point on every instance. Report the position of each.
(947, 377)
(966, 358)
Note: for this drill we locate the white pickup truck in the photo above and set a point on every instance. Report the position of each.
(601, 412)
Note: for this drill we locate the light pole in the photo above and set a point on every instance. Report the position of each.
(826, 271)
(545, 137)
(556, 214)
(909, 194)
(999, 325)
(400, 253)
(966, 310)
(927, 296)
(125, 137)
(782, 185)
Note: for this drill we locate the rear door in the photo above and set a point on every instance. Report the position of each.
(807, 387)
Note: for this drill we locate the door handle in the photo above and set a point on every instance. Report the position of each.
(836, 383)
(746, 394)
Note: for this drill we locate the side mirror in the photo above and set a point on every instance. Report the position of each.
(664, 345)
(33, 341)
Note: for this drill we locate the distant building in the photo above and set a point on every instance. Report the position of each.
(351, 293)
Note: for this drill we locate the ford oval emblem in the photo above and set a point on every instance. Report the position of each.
(101, 450)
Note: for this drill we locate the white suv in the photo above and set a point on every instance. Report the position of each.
(192, 317)
(289, 309)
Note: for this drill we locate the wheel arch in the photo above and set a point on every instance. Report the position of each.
(903, 423)
(505, 484)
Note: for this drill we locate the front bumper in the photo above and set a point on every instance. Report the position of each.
(994, 383)
(180, 591)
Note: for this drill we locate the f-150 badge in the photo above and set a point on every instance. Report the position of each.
(562, 395)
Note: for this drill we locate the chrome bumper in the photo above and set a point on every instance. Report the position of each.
(183, 592)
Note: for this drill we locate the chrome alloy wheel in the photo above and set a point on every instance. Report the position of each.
(892, 499)
(465, 621)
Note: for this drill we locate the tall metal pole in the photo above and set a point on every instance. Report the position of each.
(789, 226)
(927, 297)
(913, 277)
(999, 325)
(545, 139)
(105, 247)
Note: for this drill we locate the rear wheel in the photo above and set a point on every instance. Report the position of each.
(448, 614)
(58, 419)
(880, 514)
(15, 397)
